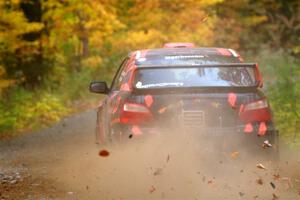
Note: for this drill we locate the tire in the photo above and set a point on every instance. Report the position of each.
(102, 133)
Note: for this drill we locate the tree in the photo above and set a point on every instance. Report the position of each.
(15, 49)
(149, 24)
(271, 23)
(76, 28)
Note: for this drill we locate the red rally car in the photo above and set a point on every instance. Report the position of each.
(208, 90)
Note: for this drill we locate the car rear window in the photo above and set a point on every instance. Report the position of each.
(167, 77)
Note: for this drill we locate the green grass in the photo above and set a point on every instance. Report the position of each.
(282, 85)
(25, 110)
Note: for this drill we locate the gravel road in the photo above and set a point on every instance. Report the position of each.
(62, 162)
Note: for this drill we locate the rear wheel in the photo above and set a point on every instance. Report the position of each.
(102, 135)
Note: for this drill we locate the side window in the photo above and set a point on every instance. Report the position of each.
(117, 82)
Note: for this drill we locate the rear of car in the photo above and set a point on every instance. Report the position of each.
(204, 96)
(205, 91)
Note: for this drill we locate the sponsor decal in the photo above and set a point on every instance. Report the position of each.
(183, 57)
(140, 85)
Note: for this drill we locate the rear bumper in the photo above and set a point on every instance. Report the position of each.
(209, 130)
(213, 132)
(224, 140)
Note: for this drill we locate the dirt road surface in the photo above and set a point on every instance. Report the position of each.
(63, 162)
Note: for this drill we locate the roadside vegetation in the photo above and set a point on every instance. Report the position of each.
(50, 50)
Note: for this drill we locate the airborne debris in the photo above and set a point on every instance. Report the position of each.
(275, 197)
(259, 181)
(168, 158)
(260, 166)
(241, 194)
(234, 154)
(276, 177)
(158, 171)
(162, 110)
(273, 185)
(152, 189)
(103, 153)
(266, 144)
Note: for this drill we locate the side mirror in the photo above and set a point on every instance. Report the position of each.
(99, 87)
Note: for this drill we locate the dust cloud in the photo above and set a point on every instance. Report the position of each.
(176, 166)
(173, 165)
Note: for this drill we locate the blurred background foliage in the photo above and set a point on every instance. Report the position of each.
(50, 50)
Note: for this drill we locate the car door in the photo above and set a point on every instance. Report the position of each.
(107, 107)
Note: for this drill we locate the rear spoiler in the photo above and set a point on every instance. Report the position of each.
(201, 65)
(254, 65)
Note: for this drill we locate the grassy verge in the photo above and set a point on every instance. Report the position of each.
(281, 73)
(23, 110)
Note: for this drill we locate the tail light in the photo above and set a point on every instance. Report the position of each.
(256, 111)
(133, 113)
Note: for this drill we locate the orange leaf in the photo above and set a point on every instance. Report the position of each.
(162, 110)
(103, 153)
(234, 154)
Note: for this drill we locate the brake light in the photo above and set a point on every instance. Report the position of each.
(133, 113)
(257, 111)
